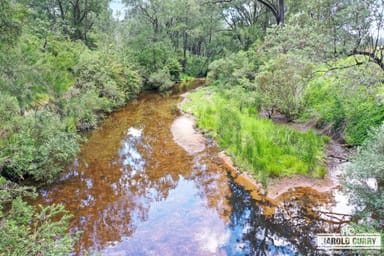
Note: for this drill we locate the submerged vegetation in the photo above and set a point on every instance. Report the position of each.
(256, 144)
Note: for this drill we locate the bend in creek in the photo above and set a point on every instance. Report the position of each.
(134, 191)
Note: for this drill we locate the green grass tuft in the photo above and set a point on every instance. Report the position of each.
(256, 144)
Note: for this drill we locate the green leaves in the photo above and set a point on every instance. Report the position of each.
(111, 79)
(38, 146)
(346, 99)
(25, 230)
(364, 180)
(282, 82)
(11, 20)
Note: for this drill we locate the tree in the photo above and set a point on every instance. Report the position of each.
(160, 31)
(277, 8)
(364, 180)
(247, 20)
(353, 27)
(75, 18)
(11, 18)
(281, 82)
(364, 21)
(28, 230)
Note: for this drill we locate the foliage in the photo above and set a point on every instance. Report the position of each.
(160, 79)
(64, 64)
(301, 37)
(156, 32)
(282, 82)
(26, 230)
(37, 145)
(112, 80)
(364, 180)
(347, 100)
(236, 69)
(11, 18)
(256, 144)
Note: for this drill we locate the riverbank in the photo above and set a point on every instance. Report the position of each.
(186, 135)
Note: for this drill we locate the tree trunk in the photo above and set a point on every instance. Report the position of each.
(281, 13)
(185, 46)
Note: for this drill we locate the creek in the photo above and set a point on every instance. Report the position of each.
(133, 191)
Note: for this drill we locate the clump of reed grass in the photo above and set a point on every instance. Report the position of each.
(256, 144)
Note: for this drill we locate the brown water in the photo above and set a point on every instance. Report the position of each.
(133, 191)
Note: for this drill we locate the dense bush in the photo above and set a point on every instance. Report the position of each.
(82, 110)
(364, 180)
(256, 144)
(197, 66)
(282, 82)
(160, 80)
(236, 69)
(111, 79)
(27, 230)
(37, 145)
(347, 100)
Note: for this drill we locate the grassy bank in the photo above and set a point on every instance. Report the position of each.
(255, 144)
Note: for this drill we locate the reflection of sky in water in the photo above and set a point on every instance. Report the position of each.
(130, 157)
(164, 230)
(143, 195)
(267, 242)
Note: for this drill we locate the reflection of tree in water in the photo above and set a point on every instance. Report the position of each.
(121, 173)
(208, 175)
(132, 185)
(289, 230)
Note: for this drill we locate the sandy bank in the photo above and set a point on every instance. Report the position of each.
(185, 135)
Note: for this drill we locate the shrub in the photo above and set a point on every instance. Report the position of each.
(196, 65)
(347, 100)
(9, 108)
(364, 180)
(82, 111)
(160, 80)
(281, 83)
(111, 79)
(174, 68)
(241, 66)
(38, 146)
(27, 230)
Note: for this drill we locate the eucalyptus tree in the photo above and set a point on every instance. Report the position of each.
(162, 31)
(11, 18)
(245, 20)
(74, 18)
(276, 7)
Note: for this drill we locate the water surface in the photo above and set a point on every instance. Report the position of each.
(134, 191)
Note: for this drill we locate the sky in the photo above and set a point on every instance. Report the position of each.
(118, 9)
